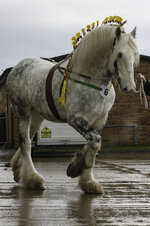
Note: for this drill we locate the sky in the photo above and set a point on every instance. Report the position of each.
(44, 28)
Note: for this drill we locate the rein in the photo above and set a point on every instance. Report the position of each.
(80, 82)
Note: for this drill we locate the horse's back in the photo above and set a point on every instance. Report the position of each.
(28, 69)
(26, 84)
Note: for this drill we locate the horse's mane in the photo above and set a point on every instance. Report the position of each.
(98, 45)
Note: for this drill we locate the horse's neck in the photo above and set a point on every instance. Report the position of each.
(93, 59)
(96, 68)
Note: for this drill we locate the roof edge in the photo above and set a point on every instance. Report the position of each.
(144, 58)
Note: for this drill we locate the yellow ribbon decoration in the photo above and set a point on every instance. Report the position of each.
(111, 18)
(88, 28)
(62, 98)
(97, 23)
(74, 38)
(105, 20)
(93, 25)
(119, 19)
(114, 19)
(83, 31)
(74, 44)
(78, 35)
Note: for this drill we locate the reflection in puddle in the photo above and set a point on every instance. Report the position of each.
(82, 210)
(26, 203)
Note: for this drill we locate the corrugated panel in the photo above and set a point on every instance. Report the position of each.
(58, 134)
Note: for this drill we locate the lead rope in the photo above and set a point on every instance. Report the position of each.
(143, 97)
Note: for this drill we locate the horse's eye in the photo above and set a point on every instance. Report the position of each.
(120, 55)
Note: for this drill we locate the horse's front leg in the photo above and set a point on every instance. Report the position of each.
(82, 164)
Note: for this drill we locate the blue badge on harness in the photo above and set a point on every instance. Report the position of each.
(104, 91)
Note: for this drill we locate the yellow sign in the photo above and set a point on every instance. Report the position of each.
(45, 133)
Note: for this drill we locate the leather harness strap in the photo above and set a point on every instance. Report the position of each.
(49, 95)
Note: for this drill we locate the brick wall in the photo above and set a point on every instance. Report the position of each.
(128, 110)
(11, 127)
(4, 113)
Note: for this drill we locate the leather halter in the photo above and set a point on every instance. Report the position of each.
(49, 95)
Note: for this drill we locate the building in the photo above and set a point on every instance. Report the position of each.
(128, 122)
(129, 119)
(7, 122)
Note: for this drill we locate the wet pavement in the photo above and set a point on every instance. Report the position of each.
(126, 201)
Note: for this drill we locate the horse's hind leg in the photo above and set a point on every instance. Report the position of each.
(22, 165)
(82, 164)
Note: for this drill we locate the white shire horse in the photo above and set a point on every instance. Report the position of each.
(34, 85)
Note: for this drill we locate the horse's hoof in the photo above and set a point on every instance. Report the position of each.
(35, 182)
(76, 167)
(73, 171)
(91, 187)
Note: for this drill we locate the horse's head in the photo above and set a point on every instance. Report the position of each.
(124, 58)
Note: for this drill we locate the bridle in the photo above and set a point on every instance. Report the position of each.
(109, 75)
(83, 83)
(70, 71)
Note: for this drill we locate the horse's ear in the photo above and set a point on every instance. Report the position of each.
(118, 32)
(133, 33)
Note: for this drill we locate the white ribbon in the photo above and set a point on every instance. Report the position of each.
(104, 90)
